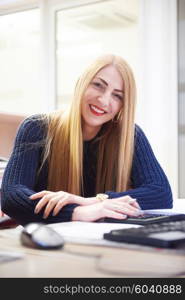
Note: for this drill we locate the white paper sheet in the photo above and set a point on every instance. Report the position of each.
(92, 233)
(87, 232)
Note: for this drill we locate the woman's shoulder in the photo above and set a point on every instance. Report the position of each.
(36, 119)
(140, 139)
(138, 131)
(33, 127)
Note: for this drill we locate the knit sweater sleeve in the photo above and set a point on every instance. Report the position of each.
(150, 184)
(20, 176)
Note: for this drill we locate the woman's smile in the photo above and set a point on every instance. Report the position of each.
(96, 110)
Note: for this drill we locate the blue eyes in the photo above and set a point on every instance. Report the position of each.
(101, 87)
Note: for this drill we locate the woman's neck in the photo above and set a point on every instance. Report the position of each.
(89, 133)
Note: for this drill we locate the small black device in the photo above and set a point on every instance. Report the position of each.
(147, 218)
(38, 235)
(162, 235)
(7, 222)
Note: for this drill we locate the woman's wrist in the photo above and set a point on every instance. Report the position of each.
(89, 201)
(87, 213)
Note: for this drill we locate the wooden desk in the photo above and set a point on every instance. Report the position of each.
(85, 261)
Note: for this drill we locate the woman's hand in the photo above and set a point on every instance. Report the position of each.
(55, 201)
(117, 208)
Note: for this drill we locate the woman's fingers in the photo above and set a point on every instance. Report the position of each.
(60, 205)
(39, 195)
(131, 209)
(129, 200)
(56, 205)
(52, 201)
(115, 215)
(135, 204)
(43, 202)
(128, 211)
(50, 206)
(122, 207)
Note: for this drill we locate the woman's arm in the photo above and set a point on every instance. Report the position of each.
(88, 209)
(20, 179)
(151, 188)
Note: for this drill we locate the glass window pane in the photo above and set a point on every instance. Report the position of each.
(19, 61)
(85, 32)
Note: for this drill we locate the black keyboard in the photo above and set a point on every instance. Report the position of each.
(147, 219)
(163, 235)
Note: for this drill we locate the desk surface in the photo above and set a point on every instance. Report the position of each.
(88, 261)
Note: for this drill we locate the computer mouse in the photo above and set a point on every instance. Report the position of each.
(38, 235)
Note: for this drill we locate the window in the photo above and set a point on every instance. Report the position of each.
(87, 31)
(20, 62)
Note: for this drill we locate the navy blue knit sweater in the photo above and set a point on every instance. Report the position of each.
(150, 185)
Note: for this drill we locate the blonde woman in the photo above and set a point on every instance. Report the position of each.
(89, 162)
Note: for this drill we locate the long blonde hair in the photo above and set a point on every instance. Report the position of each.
(64, 142)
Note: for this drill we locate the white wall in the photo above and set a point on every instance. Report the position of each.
(157, 103)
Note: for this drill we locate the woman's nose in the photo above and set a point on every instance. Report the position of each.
(104, 99)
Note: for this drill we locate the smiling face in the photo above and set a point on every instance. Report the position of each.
(102, 100)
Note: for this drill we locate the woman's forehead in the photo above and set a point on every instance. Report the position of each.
(111, 75)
